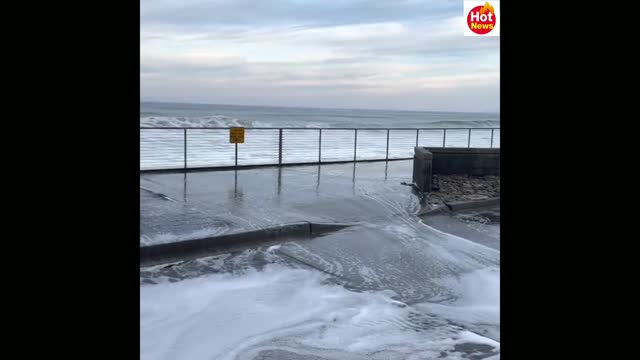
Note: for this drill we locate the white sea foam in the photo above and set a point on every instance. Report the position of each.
(218, 121)
(226, 316)
(205, 121)
(478, 303)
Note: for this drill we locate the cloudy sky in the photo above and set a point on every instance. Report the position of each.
(372, 54)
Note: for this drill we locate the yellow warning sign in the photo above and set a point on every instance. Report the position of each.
(236, 135)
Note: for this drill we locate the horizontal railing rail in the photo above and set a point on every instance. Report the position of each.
(174, 148)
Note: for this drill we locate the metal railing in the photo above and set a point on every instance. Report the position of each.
(165, 148)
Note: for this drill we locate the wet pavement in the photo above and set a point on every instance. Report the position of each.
(480, 225)
(389, 248)
(182, 206)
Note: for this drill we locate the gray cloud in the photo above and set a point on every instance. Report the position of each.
(396, 54)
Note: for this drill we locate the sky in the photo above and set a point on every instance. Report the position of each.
(367, 54)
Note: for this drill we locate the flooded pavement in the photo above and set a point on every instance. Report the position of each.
(393, 286)
(480, 225)
(182, 206)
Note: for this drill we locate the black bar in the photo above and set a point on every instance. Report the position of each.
(185, 148)
(444, 139)
(320, 146)
(280, 149)
(387, 157)
(236, 154)
(491, 146)
(417, 132)
(355, 144)
(469, 142)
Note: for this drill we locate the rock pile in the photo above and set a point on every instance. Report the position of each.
(447, 188)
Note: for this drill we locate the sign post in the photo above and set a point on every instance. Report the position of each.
(236, 136)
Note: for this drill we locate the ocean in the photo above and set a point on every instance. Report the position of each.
(204, 115)
(319, 134)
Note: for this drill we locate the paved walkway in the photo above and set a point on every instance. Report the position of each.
(182, 206)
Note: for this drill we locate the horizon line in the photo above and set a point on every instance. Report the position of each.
(318, 108)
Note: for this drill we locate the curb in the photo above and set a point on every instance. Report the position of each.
(196, 248)
(473, 204)
(449, 207)
(435, 211)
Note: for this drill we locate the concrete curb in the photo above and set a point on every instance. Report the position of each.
(435, 211)
(473, 204)
(449, 207)
(196, 248)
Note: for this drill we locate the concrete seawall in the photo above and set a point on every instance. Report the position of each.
(448, 161)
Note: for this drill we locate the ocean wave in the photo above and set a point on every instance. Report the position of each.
(217, 121)
(465, 123)
(227, 121)
(205, 121)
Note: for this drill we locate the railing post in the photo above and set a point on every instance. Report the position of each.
(491, 146)
(355, 144)
(185, 149)
(417, 133)
(469, 142)
(444, 139)
(387, 158)
(320, 146)
(280, 149)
